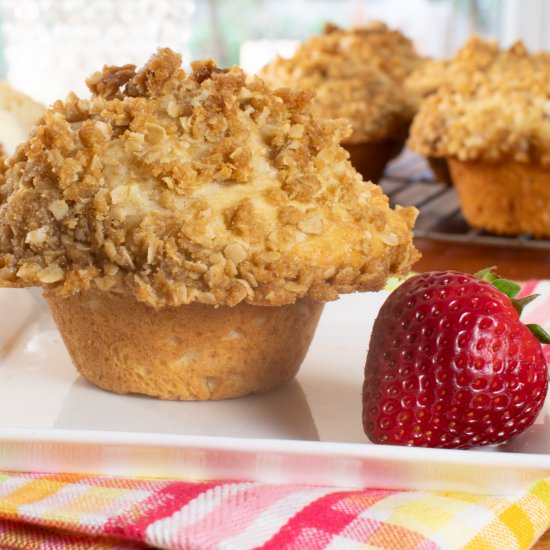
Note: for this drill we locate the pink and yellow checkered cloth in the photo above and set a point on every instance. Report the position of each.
(44, 511)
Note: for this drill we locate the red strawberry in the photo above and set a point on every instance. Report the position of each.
(451, 365)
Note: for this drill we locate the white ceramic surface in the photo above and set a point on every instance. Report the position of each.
(308, 431)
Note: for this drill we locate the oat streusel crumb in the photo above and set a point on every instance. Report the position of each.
(356, 74)
(203, 187)
(494, 105)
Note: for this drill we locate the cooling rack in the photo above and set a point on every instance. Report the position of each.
(409, 181)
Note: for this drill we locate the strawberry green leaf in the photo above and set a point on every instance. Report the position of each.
(488, 274)
(520, 303)
(507, 287)
(540, 334)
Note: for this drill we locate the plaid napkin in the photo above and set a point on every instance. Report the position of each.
(43, 511)
(66, 511)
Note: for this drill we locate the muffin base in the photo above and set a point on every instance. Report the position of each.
(506, 198)
(192, 352)
(440, 169)
(371, 157)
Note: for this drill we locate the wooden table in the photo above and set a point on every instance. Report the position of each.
(513, 263)
(440, 218)
(544, 542)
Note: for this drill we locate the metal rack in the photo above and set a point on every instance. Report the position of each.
(408, 181)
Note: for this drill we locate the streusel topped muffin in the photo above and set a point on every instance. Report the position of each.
(491, 121)
(477, 54)
(188, 228)
(354, 76)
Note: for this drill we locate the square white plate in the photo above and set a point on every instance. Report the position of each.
(306, 432)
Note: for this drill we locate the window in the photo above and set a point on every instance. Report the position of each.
(50, 46)
(252, 32)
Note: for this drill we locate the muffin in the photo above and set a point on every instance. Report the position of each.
(18, 115)
(476, 55)
(491, 123)
(188, 228)
(357, 75)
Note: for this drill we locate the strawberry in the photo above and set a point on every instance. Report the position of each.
(451, 365)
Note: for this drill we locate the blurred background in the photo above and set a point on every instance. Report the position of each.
(48, 47)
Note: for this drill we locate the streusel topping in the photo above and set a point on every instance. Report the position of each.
(476, 55)
(388, 49)
(495, 104)
(353, 74)
(206, 187)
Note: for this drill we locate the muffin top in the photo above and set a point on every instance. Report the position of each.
(356, 75)
(494, 105)
(388, 49)
(18, 115)
(206, 187)
(429, 75)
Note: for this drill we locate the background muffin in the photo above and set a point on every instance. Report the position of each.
(203, 202)
(357, 74)
(490, 121)
(476, 55)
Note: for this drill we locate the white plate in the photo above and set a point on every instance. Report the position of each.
(307, 432)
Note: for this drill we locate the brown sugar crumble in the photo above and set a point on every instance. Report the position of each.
(204, 187)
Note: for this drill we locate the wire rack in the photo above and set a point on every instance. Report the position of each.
(409, 181)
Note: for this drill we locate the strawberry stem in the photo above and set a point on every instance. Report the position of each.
(488, 274)
(520, 303)
(512, 289)
(540, 334)
(507, 287)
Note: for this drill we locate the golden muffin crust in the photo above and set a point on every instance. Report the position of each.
(204, 187)
(195, 352)
(353, 74)
(495, 105)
